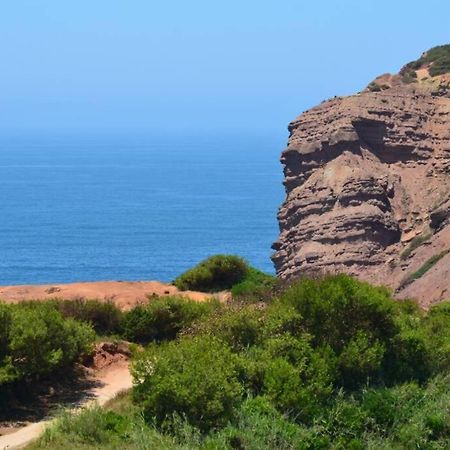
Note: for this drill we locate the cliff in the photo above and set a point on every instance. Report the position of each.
(367, 181)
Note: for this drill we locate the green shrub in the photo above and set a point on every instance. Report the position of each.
(196, 378)
(440, 66)
(40, 341)
(388, 406)
(105, 317)
(334, 309)
(438, 57)
(360, 360)
(259, 426)
(345, 421)
(295, 389)
(374, 87)
(437, 328)
(408, 356)
(427, 265)
(414, 244)
(214, 274)
(296, 378)
(163, 318)
(255, 286)
(238, 327)
(5, 326)
(281, 318)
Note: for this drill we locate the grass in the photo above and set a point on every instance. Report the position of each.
(423, 269)
(118, 425)
(414, 244)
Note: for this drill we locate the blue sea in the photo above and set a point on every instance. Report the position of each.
(129, 208)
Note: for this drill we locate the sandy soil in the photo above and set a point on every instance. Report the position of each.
(108, 383)
(125, 294)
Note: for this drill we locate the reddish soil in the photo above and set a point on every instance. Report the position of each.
(125, 294)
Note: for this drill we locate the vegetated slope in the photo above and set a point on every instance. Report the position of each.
(367, 181)
(329, 363)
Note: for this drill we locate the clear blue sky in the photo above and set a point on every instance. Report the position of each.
(148, 66)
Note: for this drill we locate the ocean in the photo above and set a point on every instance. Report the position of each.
(129, 208)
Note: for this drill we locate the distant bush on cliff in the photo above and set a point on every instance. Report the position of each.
(35, 340)
(214, 274)
(438, 58)
(222, 272)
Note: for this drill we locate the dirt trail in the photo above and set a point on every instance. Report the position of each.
(111, 381)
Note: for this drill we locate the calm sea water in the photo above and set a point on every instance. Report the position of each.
(134, 209)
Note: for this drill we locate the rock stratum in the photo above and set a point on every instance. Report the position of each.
(367, 181)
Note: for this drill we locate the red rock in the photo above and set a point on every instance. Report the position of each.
(364, 174)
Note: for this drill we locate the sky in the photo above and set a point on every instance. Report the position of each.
(145, 66)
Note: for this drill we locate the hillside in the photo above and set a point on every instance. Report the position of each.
(367, 181)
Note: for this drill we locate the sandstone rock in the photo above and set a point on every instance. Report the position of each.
(363, 176)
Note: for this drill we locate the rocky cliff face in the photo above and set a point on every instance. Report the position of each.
(367, 181)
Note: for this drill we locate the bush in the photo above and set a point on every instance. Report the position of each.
(440, 66)
(300, 386)
(163, 318)
(214, 274)
(437, 329)
(238, 327)
(196, 378)
(280, 318)
(259, 426)
(5, 322)
(105, 317)
(336, 308)
(40, 341)
(256, 286)
(438, 57)
(360, 359)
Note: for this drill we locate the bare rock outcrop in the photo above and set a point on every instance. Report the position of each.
(367, 181)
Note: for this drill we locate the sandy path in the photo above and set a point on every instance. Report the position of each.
(112, 381)
(125, 294)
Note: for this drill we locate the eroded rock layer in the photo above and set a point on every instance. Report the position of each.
(367, 181)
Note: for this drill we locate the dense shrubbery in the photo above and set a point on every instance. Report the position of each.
(334, 352)
(36, 340)
(326, 364)
(105, 317)
(163, 318)
(405, 416)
